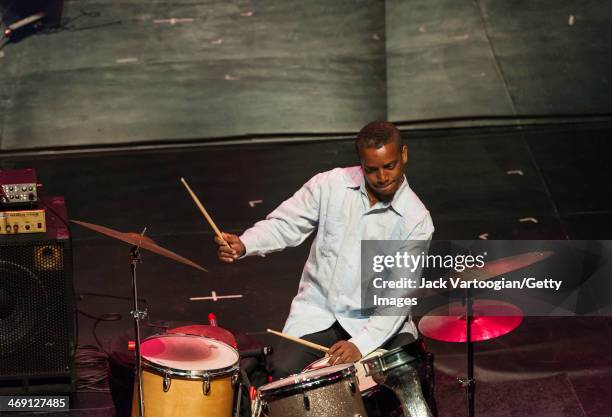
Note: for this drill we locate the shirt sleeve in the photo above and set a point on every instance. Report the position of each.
(380, 327)
(289, 224)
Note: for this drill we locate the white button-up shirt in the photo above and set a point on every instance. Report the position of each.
(336, 203)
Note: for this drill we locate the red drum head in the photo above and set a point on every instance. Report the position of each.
(190, 353)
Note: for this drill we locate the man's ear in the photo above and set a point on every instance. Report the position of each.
(404, 154)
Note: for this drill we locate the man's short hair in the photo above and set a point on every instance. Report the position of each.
(376, 135)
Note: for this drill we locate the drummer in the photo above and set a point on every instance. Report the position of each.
(370, 201)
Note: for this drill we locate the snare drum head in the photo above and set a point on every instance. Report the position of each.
(186, 352)
(365, 382)
(318, 364)
(309, 376)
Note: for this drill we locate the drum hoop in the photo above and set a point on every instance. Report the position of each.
(390, 360)
(188, 374)
(301, 386)
(185, 373)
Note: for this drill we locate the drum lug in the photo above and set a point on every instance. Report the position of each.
(167, 382)
(352, 386)
(235, 379)
(206, 385)
(306, 402)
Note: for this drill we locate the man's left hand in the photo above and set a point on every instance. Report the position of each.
(343, 352)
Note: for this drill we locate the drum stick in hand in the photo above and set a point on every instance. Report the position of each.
(204, 212)
(300, 341)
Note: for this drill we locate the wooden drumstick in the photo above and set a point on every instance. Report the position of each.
(204, 212)
(300, 341)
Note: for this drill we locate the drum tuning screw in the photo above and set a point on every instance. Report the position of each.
(306, 403)
(167, 382)
(206, 385)
(352, 386)
(235, 378)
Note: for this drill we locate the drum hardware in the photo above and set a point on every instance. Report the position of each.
(137, 316)
(140, 315)
(238, 401)
(235, 378)
(352, 386)
(206, 385)
(483, 316)
(256, 405)
(306, 401)
(167, 382)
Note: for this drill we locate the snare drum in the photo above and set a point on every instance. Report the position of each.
(326, 392)
(365, 383)
(186, 375)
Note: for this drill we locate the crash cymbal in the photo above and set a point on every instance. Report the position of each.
(503, 266)
(137, 239)
(491, 319)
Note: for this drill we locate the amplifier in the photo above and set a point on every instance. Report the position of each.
(19, 187)
(25, 221)
(37, 327)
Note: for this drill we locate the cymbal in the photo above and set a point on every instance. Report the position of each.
(491, 319)
(141, 241)
(503, 266)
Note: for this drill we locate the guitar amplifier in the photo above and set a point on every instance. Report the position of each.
(37, 320)
(25, 221)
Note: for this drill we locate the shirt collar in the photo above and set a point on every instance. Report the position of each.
(356, 181)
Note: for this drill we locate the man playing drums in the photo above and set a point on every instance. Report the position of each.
(345, 205)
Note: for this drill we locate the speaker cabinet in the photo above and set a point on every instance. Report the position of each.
(37, 322)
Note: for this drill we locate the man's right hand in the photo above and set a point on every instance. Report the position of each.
(229, 253)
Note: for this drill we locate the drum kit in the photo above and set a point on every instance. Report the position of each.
(180, 373)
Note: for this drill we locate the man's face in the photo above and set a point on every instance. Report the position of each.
(383, 169)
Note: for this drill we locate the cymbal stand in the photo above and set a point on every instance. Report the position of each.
(469, 383)
(137, 315)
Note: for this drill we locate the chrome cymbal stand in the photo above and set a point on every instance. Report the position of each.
(469, 383)
(137, 315)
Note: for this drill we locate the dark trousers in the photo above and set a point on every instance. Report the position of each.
(291, 358)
